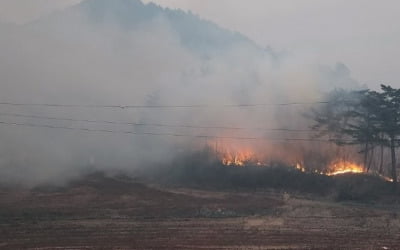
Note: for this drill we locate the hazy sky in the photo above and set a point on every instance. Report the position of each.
(364, 34)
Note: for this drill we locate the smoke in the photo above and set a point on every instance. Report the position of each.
(69, 58)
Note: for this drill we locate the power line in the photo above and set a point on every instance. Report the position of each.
(161, 106)
(161, 134)
(152, 124)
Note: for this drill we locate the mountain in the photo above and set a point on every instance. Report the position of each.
(200, 36)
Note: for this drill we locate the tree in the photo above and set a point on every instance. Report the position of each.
(367, 118)
(388, 122)
(362, 127)
(348, 119)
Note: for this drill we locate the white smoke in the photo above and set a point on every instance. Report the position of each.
(73, 61)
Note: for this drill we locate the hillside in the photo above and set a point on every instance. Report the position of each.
(198, 35)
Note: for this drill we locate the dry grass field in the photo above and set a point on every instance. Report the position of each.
(113, 213)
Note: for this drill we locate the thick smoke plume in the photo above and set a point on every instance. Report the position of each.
(93, 54)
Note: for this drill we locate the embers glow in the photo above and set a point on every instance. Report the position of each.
(344, 167)
(300, 167)
(386, 178)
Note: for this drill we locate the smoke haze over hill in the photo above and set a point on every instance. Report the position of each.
(124, 52)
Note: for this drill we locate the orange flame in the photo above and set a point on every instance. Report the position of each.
(239, 156)
(236, 159)
(344, 167)
(386, 178)
(335, 168)
(240, 159)
(300, 167)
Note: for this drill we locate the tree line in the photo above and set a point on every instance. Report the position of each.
(366, 118)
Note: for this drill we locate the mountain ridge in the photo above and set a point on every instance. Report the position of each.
(199, 35)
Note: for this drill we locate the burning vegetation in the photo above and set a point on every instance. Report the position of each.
(241, 159)
(367, 120)
(355, 132)
(252, 170)
(344, 167)
(249, 158)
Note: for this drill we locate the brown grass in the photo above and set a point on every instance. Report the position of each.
(103, 212)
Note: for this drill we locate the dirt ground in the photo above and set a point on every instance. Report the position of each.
(114, 213)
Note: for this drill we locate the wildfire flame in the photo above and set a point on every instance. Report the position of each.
(344, 167)
(237, 156)
(240, 159)
(386, 178)
(335, 168)
(300, 167)
(243, 158)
